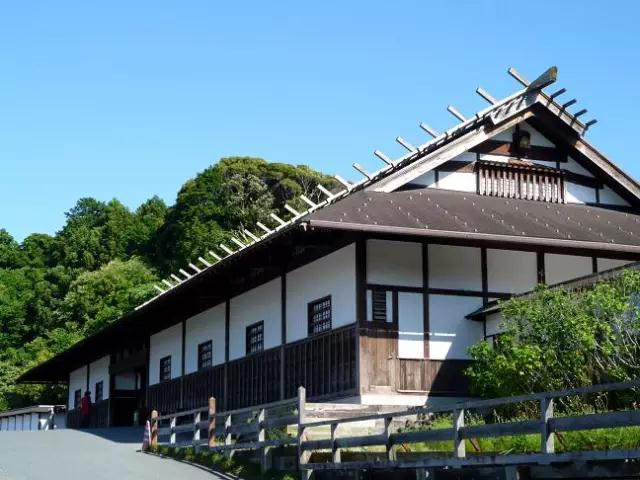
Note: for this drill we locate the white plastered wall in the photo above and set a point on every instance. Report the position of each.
(455, 267)
(609, 263)
(333, 274)
(165, 343)
(609, 197)
(410, 325)
(450, 333)
(77, 381)
(460, 181)
(394, 263)
(561, 268)
(205, 326)
(510, 271)
(99, 372)
(575, 193)
(493, 323)
(259, 304)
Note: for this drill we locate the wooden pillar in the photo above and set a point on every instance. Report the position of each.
(153, 441)
(459, 450)
(540, 267)
(283, 327)
(425, 297)
(227, 321)
(361, 303)
(303, 454)
(182, 360)
(546, 434)
(212, 423)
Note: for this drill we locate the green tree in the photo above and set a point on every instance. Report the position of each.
(558, 339)
(10, 256)
(95, 299)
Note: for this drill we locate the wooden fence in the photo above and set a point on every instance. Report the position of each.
(246, 429)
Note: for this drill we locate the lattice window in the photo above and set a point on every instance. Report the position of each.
(530, 182)
(255, 338)
(319, 315)
(205, 355)
(165, 369)
(379, 306)
(99, 391)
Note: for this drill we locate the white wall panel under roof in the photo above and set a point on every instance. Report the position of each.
(450, 333)
(573, 166)
(455, 267)
(410, 325)
(609, 263)
(537, 138)
(493, 323)
(394, 263)
(99, 372)
(35, 417)
(333, 274)
(460, 181)
(162, 344)
(77, 381)
(609, 197)
(205, 326)
(258, 304)
(510, 271)
(426, 180)
(575, 193)
(561, 268)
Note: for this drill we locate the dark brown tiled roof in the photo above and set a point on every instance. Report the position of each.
(449, 214)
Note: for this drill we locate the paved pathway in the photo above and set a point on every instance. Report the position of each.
(100, 454)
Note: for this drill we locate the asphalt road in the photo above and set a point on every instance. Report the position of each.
(100, 454)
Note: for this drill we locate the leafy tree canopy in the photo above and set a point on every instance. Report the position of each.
(558, 339)
(56, 289)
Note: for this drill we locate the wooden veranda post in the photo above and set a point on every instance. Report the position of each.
(153, 441)
(212, 423)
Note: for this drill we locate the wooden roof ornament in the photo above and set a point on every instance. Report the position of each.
(500, 115)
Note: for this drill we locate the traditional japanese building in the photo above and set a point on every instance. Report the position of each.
(365, 297)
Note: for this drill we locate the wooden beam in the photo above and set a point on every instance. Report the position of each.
(437, 157)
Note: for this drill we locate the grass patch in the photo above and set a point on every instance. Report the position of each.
(237, 466)
(597, 439)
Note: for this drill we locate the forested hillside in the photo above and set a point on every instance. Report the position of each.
(54, 290)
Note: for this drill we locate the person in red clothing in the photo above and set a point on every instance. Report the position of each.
(85, 409)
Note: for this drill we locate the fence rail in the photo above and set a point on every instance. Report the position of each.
(247, 429)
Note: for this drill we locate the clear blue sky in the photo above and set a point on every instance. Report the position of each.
(130, 99)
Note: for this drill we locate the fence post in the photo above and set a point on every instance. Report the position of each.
(546, 434)
(227, 436)
(335, 451)
(172, 427)
(459, 450)
(196, 430)
(262, 437)
(212, 422)
(388, 445)
(153, 441)
(303, 455)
